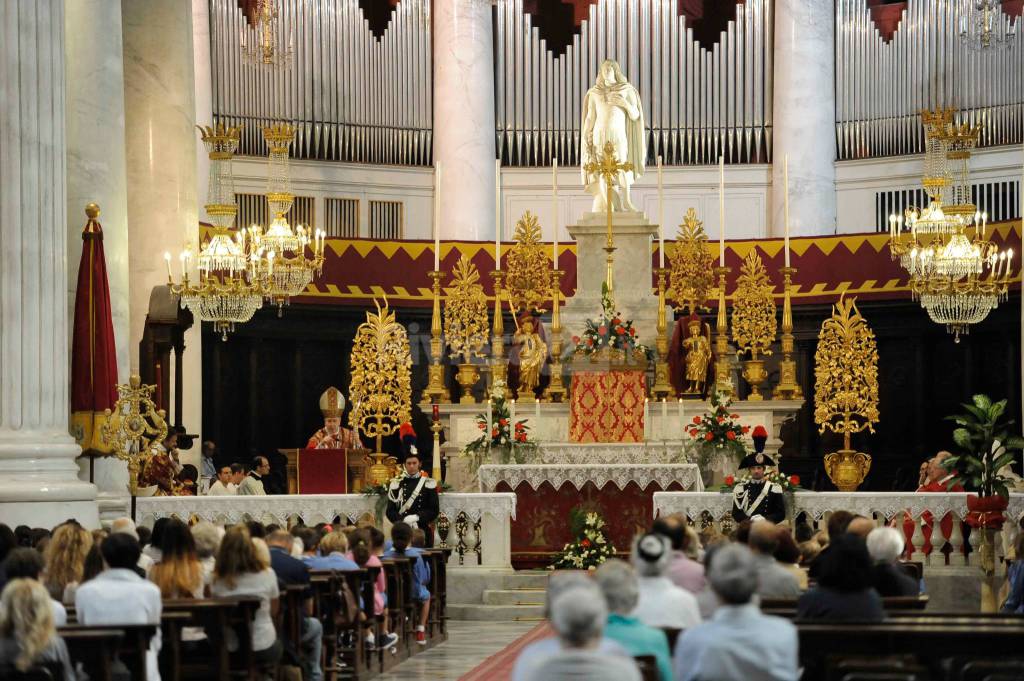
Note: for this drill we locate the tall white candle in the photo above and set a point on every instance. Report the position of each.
(489, 421)
(647, 417)
(536, 411)
(664, 412)
(554, 209)
(512, 412)
(721, 211)
(437, 216)
(661, 219)
(497, 214)
(785, 183)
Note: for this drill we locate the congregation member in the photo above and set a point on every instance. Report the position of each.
(845, 590)
(401, 540)
(179, 574)
(241, 572)
(118, 595)
(309, 537)
(28, 634)
(252, 484)
(222, 484)
(367, 547)
(578, 615)
(618, 583)
(65, 560)
(293, 572)
(739, 642)
(774, 580)
(660, 603)
(332, 548)
(684, 571)
(207, 538)
(25, 563)
(1015, 578)
(835, 528)
(152, 549)
(787, 555)
(885, 546)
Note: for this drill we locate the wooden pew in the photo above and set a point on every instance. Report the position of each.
(290, 614)
(216, 616)
(435, 562)
(330, 607)
(397, 586)
(94, 648)
(786, 607)
(132, 647)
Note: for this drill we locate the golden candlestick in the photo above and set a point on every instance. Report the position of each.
(435, 392)
(788, 387)
(723, 368)
(608, 168)
(499, 364)
(435, 471)
(662, 387)
(556, 392)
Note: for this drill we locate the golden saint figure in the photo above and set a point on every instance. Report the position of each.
(698, 354)
(532, 354)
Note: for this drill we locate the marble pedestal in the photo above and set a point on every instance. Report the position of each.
(633, 282)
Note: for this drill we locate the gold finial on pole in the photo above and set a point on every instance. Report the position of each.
(435, 392)
(499, 364)
(556, 391)
(662, 388)
(723, 368)
(608, 168)
(788, 387)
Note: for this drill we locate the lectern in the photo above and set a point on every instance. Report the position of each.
(325, 471)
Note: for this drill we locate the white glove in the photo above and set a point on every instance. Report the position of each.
(411, 519)
(756, 518)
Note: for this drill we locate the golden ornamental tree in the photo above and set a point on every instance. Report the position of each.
(465, 313)
(528, 273)
(753, 313)
(691, 266)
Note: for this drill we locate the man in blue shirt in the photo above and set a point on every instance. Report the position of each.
(401, 538)
(738, 642)
(618, 582)
(291, 571)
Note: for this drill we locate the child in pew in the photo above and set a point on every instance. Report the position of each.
(401, 540)
(364, 556)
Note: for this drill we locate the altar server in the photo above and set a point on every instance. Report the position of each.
(412, 496)
(333, 435)
(754, 497)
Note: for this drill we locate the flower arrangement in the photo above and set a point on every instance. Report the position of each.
(590, 548)
(788, 484)
(609, 331)
(500, 431)
(718, 434)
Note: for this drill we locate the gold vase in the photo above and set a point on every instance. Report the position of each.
(467, 377)
(754, 374)
(847, 468)
(382, 469)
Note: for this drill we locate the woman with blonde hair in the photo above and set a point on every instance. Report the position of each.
(27, 635)
(179, 573)
(65, 561)
(241, 572)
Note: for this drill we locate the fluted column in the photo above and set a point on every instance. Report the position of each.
(464, 117)
(160, 119)
(804, 116)
(39, 483)
(96, 174)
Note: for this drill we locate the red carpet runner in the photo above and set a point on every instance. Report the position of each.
(498, 667)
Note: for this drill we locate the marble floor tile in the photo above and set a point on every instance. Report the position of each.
(468, 644)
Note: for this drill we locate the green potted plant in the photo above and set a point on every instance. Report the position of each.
(983, 435)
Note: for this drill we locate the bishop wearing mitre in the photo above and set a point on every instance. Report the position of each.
(332, 435)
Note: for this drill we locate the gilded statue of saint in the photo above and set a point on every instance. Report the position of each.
(698, 354)
(612, 113)
(532, 354)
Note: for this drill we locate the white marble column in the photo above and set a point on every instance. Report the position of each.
(464, 117)
(94, 71)
(804, 116)
(39, 483)
(204, 93)
(160, 119)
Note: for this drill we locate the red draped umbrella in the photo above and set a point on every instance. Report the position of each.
(93, 353)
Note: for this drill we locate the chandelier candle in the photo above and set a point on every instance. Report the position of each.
(785, 182)
(497, 214)
(554, 209)
(661, 220)
(721, 211)
(437, 217)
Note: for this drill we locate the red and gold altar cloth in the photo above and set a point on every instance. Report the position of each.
(607, 406)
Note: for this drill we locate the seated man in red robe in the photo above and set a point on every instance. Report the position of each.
(934, 478)
(160, 469)
(332, 435)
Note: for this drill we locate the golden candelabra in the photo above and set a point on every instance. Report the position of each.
(381, 388)
(556, 391)
(723, 367)
(435, 392)
(788, 387)
(133, 426)
(608, 168)
(662, 387)
(435, 472)
(691, 266)
(753, 321)
(846, 389)
(499, 363)
(465, 325)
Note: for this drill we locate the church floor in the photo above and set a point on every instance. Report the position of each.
(468, 644)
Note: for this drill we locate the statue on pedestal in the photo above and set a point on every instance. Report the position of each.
(698, 356)
(533, 352)
(612, 113)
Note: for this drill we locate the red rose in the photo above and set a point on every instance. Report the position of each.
(602, 329)
(494, 433)
(482, 426)
(720, 419)
(502, 422)
(619, 330)
(693, 432)
(729, 480)
(521, 437)
(585, 543)
(696, 420)
(729, 435)
(519, 426)
(590, 342)
(734, 416)
(746, 429)
(709, 437)
(616, 321)
(575, 340)
(794, 480)
(632, 331)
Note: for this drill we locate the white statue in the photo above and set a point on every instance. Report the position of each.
(612, 113)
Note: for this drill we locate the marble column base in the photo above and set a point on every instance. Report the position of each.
(39, 486)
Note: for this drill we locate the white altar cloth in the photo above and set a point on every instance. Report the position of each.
(620, 475)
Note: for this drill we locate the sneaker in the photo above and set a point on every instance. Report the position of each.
(421, 638)
(389, 640)
(370, 643)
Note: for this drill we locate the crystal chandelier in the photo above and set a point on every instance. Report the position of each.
(226, 290)
(984, 25)
(956, 273)
(265, 46)
(289, 271)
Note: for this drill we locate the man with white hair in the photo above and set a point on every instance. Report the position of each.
(618, 582)
(538, 651)
(738, 642)
(661, 603)
(578, 615)
(885, 544)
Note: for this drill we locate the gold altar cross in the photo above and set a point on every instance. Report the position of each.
(608, 168)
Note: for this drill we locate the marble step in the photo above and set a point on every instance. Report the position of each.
(514, 597)
(526, 579)
(495, 613)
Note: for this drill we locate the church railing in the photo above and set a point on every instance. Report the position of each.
(913, 512)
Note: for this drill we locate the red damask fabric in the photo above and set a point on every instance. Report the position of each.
(607, 406)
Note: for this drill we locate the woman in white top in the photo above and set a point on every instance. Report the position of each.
(661, 603)
(27, 635)
(207, 537)
(241, 572)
